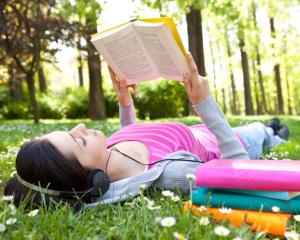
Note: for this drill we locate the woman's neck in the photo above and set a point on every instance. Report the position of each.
(120, 166)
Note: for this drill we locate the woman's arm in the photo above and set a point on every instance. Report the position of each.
(198, 91)
(126, 106)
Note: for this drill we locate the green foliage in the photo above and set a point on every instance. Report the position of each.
(15, 110)
(50, 107)
(161, 99)
(75, 103)
(111, 103)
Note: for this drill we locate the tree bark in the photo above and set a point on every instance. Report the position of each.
(258, 62)
(195, 36)
(15, 85)
(79, 59)
(31, 89)
(257, 100)
(246, 77)
(277, 78)
(213, 63)
(96, 99)
(42, 80)
(224, 101)
(232, 80)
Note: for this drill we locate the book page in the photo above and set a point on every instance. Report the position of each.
(166, 56)
(124, 52)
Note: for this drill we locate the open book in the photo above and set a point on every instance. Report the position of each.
(143, 49)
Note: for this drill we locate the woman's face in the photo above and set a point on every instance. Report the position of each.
(88, 145)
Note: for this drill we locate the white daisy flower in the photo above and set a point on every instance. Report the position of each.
(179, 236)
(225, 210)
(202, 209)
(221, 231)
(168, 222)
(10, 221)
(190, 176)
(33, 213)
(291, 235)
(152, 207)
(175, 198)
(275, 209)
(13, 209)
(297, 218)
(142, 186)
(204, 221)
(8, 198)
(167, 193)
(2, 227)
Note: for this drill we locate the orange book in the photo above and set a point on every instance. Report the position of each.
(271, 223)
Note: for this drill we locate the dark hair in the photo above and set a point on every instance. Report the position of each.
(39, 162)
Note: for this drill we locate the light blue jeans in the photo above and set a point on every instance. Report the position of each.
(258, 137)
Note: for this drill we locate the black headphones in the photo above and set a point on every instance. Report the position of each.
(98, 181)
(98, 184)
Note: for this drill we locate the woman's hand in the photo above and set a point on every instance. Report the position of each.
(122, 90)
(196, 87)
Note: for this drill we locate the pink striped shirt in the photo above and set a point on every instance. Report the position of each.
(162, 139)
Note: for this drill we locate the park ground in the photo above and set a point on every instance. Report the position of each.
(130, 220)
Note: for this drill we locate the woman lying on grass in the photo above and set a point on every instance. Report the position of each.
(77, 162)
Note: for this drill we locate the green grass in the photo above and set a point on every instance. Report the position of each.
(132, 220)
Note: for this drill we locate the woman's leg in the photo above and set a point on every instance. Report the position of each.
(256, 137)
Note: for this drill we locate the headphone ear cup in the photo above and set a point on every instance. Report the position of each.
(98, 180)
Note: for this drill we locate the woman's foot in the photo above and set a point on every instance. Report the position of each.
(274, 123)
(283, 132)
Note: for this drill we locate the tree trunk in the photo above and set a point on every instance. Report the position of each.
(194, 25)
(258, 62)
(213, 63)
(15, 86)
(232, 81)
(245, 66)
(279, 105)
(42, 80)
(96, 99)
(79, 59)
(31, 89)
(261, 82)
(257, 101)
(224, 101)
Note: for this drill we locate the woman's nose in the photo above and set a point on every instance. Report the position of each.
(79, 129)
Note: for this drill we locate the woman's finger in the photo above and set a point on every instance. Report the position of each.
(112, 75)
(135, 89)
(193, 66)
(187, 83)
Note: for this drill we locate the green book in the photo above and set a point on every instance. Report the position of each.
(217, 198)
(267, 194)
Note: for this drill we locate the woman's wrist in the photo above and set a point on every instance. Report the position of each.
(125, 104)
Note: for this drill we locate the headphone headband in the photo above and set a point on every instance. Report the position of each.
(66, 194)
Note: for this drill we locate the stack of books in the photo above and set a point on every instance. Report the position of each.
(256, 188)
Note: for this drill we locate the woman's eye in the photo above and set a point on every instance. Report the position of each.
(82, 141)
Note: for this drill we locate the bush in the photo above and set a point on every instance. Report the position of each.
(111, 103)
(161, 99)
(50, 107)
(75, 103)
(15, 110)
